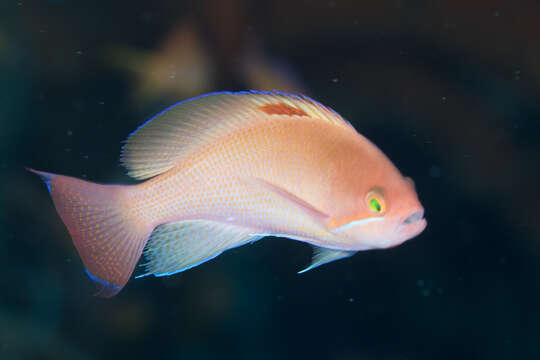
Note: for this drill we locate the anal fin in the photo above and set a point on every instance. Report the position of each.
(179, 246)
(323, 256)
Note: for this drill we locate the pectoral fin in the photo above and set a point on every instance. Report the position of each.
(295, 204)
(323, 256)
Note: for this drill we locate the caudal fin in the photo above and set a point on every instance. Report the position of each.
(107, 235)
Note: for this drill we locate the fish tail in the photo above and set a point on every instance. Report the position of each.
(107, 233)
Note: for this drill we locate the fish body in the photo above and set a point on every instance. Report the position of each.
(226, 169)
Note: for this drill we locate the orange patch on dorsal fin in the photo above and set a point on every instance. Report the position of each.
(282, 109)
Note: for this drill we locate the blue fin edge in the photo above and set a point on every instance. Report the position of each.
(107, 289)
(45, 176)
(315, 265)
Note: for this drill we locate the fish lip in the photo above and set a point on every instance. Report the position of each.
(406, 232)
(413, 218)
(412, 229)
(416, 228)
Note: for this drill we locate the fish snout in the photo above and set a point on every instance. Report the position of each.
(414, 217)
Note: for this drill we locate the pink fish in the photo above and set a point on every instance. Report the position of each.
(226, 169)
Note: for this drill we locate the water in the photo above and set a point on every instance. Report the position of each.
(448, 90)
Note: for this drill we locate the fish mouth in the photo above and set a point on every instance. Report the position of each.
(414, 218)
(413, 224)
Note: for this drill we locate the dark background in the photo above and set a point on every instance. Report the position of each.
(449, 90)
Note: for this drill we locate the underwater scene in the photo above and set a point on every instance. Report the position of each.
(206, 179)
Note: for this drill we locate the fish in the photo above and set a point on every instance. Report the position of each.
(226, 169)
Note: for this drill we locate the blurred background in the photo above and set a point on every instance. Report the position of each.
(449, 90)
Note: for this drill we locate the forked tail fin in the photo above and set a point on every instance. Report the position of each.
(107, 235)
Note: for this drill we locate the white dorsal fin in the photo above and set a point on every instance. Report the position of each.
(323, 256)
(172, 135)
(178, 246)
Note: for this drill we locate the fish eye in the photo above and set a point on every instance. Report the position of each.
(375, 202)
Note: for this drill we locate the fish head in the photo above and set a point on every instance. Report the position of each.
(387, 213)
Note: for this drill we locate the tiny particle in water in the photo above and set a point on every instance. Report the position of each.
(496, 13)
(335, 80)
(420, 283)
(146, 16)
(69, 133)
(425, 292)
(435, 171)
(101, 103)
(443, 99)
(351, 300)
(67, 150)
(78, 52)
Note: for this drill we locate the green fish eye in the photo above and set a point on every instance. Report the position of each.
(375, 205)
(375, 201)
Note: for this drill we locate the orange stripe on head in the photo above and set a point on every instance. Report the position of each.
(282, 109)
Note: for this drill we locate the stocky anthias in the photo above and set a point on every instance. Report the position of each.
(226, 169)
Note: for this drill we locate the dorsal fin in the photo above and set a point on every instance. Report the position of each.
(172, 135)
